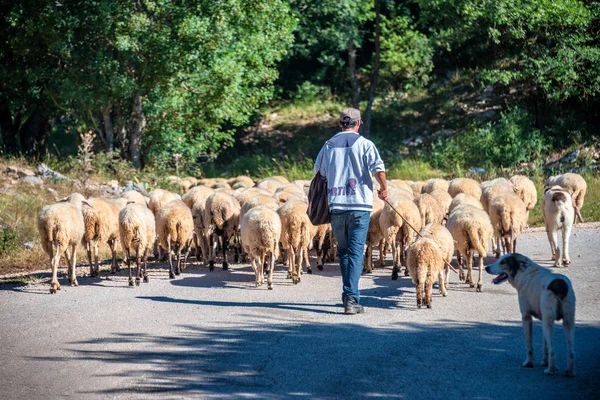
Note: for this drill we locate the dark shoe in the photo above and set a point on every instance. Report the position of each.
(352, 307)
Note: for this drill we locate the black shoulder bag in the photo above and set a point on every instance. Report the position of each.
(318, 205)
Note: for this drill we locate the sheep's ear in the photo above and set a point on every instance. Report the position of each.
(87, 203)
(64, 199)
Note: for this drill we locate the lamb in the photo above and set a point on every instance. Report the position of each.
(61, 227)
(575, 185)
(261, 232)
(509, 217)
(526, 190)
(430, 209)
(195, 193)
(444, 198)
(222, 214)
(295, 236)
(158, 198)
(395, 231)
(175, 230)
(441, 235)
(464, 185)
(464, 199)
(434, 184)
(559, 215)
(321, 241)
(101, 222)
(472, 230)
(424, 263)
(375, 237)
(137, 231)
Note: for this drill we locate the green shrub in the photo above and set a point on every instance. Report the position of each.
(509, 141)
(10, 241)
(308, 92)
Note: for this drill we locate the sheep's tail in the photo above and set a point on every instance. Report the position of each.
(506, 219)
(180, 237)
(478, 240)
(90, 218)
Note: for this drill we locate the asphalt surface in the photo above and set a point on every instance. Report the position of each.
(216, 335)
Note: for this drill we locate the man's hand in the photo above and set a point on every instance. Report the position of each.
(382, 194)
(380, 176)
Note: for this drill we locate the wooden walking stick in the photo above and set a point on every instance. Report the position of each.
(418, 234)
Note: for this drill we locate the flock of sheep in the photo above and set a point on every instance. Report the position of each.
(266, 221)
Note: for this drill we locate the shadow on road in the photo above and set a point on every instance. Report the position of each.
(270, 359)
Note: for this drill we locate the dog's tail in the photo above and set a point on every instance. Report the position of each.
(559, 287)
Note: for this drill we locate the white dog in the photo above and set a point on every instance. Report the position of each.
(559, 215)
(544, 295)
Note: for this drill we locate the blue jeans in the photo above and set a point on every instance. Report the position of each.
(350, 230)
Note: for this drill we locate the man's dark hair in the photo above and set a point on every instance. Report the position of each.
(347, 122)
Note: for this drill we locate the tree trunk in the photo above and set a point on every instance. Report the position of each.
(137, 123)
(33, 135)
(352, 70)
(9, 129)
(109, 133)
(375, 72)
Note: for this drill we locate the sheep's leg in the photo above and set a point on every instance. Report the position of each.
(197, 247)
(382, 246)
(236, 249)
(480, 281)
(128, 255)
(578, 214)
(255, 268)
(428, 288)
(419, 287)
(396, 267)
(73, 274)
(320, 258)
(171, 273)
(307, 260)
(470, 280)
(292, 262)
(178, 264)
(442, 283)
(146, 266)
(54, 260)
(186, 255)
(566, 233)
(96, 249)
(89, 255)
(225, 248)
(271, 269)
(212, 249)
(262, 266)
(368, 259)
(298, 265)
(138, 273)
(557, 259)
(113, 250)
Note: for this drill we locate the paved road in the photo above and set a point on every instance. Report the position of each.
(215, 335)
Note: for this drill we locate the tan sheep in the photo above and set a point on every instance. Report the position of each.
(509, 217)
(375, 237)
(442, 236)
(430, 209)
(321, 242)
(417, 188)
(425, 262)
(133, 196)
(244, 195)
(261, 232)
(295, 236)
(241, 179)
(472, 230)
(444, 198)
(101, 222)
(396, 232)
(175, 231)
(260, 200)
(575, 185)
(462, 199)
(400, 184)
(209, 182)
(61, 227)
(282, 179)
(494, 188)
(195, 193)
(137, 231)
(435, 184)
(202, 229)
(464, 185)
(158, 198)
(270, 185)
(222, 214)
(525, 189)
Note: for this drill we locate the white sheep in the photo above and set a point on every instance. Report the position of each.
(101, 222)
(425, 263)
(435, 184)
(575, 185)
(175, 231)
(261, 231)
(195, 193)
(559, 215)
(134, 196)
(137, 232)
(442, 236)
(430, 209)
(295, 236)
(509, 217)
(525, 189)
(417, 187)
(472, 230)
(222, 214)
(464, 185)
(375, 237)
(462, 199)
(61, 227)
(321, 242)
(444, 198)
(494, 188)
(158, 198)
(396, 232)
